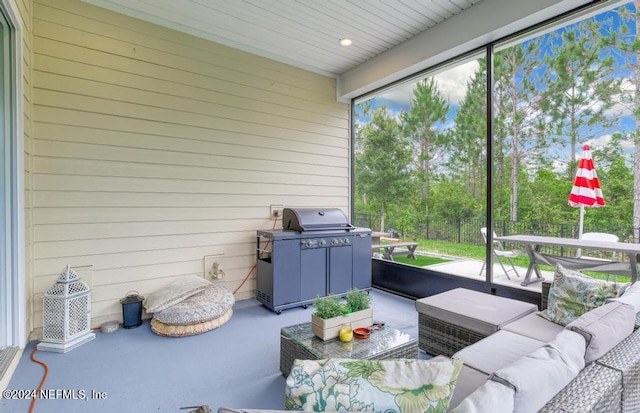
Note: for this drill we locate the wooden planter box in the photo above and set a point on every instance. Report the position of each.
(330, 328)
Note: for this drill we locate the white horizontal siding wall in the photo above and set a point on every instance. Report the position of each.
(153, 149)
(25, 8)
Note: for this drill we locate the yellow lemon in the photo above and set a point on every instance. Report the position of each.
(346, 335)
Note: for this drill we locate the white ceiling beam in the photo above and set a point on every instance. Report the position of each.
(483, 23)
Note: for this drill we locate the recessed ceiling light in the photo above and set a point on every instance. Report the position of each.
(346, 41)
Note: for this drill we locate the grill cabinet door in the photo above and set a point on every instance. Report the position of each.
(340, 268)
(313, 273)
(362, 260)
(285, 272)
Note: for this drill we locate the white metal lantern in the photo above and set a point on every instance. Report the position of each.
(66, 314)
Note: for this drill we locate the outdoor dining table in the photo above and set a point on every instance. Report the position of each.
(534, 244)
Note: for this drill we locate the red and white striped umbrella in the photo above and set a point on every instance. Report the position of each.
(586, 190)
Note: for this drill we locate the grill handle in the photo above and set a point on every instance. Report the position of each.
(347, 227)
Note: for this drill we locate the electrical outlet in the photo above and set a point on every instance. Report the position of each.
(208, 265)
(276, 211)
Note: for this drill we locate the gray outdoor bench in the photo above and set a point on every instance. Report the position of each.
(389, 249)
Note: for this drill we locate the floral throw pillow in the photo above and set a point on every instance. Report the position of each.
(393, 385)
(573, 294)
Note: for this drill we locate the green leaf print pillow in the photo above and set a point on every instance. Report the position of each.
(395, 385)
(573, 294)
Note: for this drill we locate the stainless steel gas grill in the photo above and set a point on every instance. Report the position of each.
(312, 219)
(317, 253)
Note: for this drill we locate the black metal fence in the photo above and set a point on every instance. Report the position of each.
(467, 231)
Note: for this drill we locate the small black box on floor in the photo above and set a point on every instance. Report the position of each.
(132, 310)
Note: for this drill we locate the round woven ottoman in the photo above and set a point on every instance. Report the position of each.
(197, 314)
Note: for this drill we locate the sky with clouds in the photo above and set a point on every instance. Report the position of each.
(452, 83)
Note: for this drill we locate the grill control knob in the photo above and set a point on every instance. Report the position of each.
(322, 243)
(346, 241)
(335, 241)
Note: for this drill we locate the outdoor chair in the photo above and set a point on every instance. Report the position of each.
(500, 253)
(599, 236)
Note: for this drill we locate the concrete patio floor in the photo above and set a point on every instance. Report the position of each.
(470, 268)
(134, 370)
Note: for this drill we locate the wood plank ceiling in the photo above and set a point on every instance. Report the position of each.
(303, 33)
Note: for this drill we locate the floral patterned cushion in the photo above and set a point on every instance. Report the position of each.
(400, 385)
(573, 294)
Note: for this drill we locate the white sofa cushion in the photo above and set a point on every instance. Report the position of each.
(492, 397)
(631, 296)
(536, 327)
(468, 381)
(537, 377)
(497, 351)
(604, 327)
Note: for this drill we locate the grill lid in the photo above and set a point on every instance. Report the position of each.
(314, 219)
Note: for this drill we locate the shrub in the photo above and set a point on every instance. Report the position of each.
(329, 306)
(358, 300)
(333, 306)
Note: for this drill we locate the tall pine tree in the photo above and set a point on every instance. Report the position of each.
(428, 109)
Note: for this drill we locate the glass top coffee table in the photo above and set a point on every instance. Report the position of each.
(299, 342)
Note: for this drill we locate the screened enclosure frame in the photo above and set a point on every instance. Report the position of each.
(488, 52)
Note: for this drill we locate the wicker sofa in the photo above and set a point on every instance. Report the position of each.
(608, 383)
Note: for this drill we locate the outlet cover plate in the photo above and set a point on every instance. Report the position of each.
(208, 261)
(276, 208)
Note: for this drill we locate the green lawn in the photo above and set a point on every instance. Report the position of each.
(478, 252)
(420, 260)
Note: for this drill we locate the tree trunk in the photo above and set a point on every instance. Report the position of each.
(514, 150)
(574, 139)
(636, 158)
(382, 217)
(425, 156)
(426, 191)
